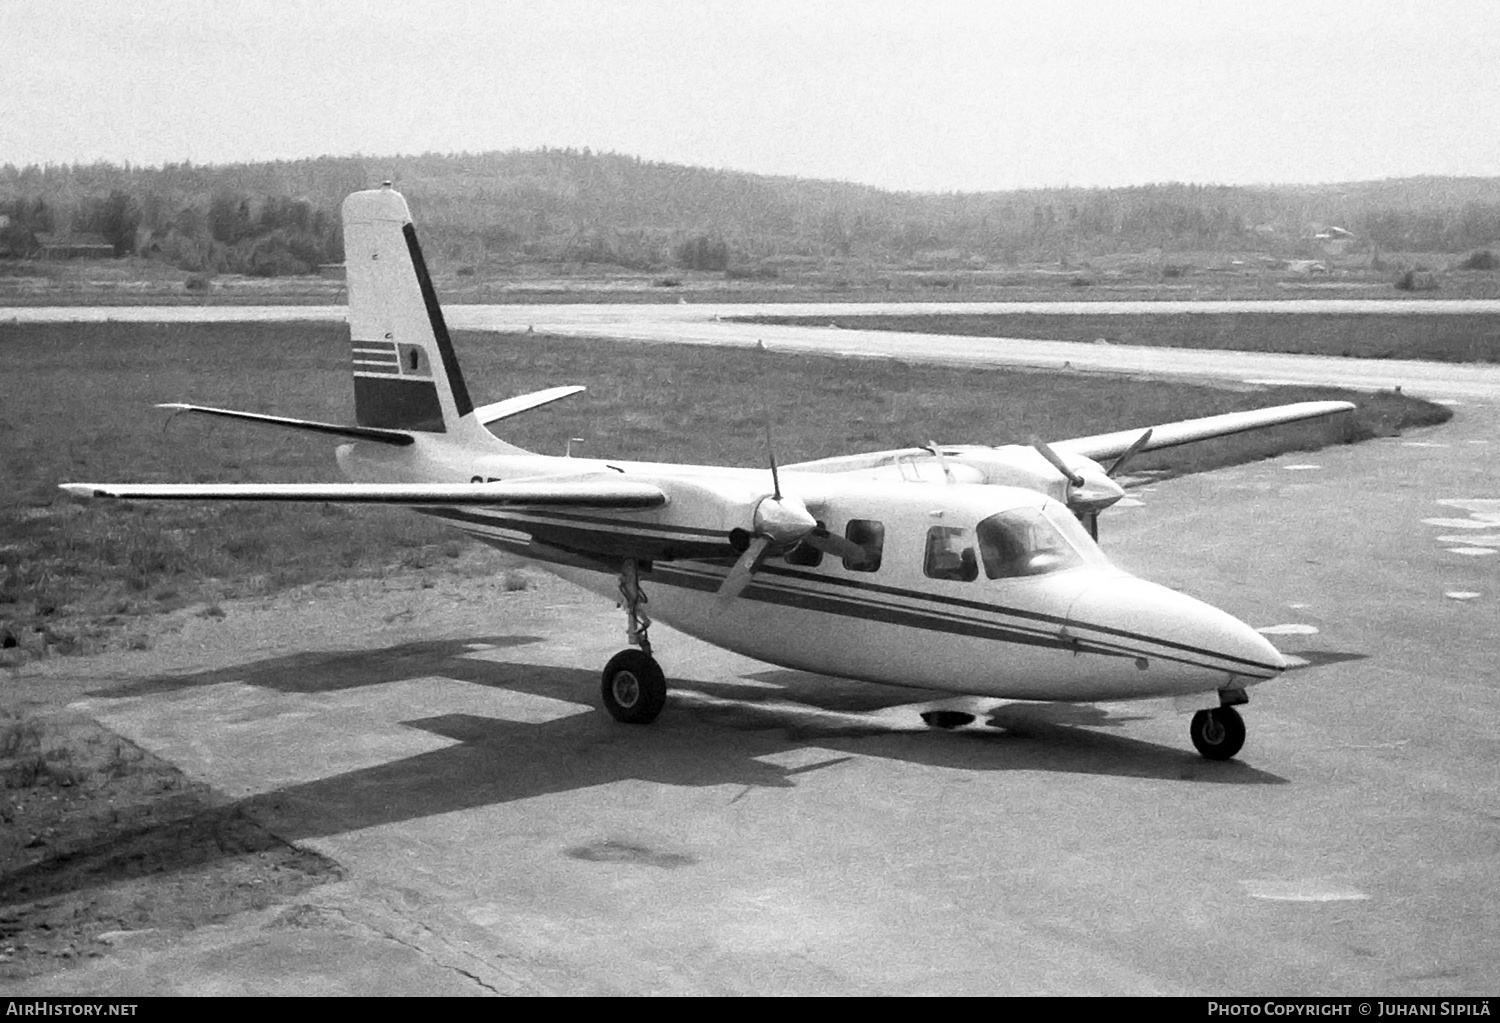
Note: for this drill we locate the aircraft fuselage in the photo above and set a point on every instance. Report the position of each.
(935, 608)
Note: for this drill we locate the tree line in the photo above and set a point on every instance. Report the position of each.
(225, 231)
(576, 205)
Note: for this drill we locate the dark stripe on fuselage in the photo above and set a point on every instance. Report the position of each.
(1058, 620)
(850, 605)
(396, 404)
(853, 607)
(463, 405)
(934, 620)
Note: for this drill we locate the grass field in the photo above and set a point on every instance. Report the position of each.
(76, 406)
(1459, 337)
(1123, 277)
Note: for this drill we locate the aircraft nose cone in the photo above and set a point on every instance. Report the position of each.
(1161, 624)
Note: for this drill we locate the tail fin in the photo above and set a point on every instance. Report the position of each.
(405, 374)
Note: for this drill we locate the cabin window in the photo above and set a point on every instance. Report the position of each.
(950, 555)
(870, 536)
(1024, 542)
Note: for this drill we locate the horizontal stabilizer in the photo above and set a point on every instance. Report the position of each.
(584, 494)
(1169, 435)
(499, 410)
(357, 432)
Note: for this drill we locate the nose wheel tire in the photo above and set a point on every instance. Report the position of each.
(1219, 733)
(634, 688)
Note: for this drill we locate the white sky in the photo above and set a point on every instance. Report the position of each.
(925, 95)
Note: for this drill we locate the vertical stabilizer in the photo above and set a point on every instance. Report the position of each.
(405, 373)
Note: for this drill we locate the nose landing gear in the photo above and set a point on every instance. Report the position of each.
(1219, 733)
(634, 687)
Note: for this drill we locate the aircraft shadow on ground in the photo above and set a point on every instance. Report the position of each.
(700, 741)
(712, 733)
(322, 671)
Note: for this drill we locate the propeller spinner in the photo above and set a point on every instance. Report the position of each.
(1091, 487)
(779, 522)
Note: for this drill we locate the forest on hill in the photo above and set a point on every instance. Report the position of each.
(566, 205)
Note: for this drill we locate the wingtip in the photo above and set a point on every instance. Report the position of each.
(83, 489)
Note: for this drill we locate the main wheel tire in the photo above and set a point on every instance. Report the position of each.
(1219, 733)
(634, 688)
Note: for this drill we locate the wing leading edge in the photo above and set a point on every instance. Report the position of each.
(1110, 445)
(1168, 435)
(575, 493)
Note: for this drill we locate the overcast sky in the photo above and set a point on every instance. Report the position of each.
(931, 95)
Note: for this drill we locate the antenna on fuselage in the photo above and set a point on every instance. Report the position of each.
(771, 457)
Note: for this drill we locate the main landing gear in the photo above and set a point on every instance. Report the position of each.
(634, 687)
(1218, 733)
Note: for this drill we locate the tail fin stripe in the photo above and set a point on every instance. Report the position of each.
(464, 405)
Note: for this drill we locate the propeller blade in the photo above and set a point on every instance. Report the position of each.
(851, 552)
(1052, 456)
(1129, 453)
(739, 576)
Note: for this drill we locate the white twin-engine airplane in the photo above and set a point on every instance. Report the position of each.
(969, 569)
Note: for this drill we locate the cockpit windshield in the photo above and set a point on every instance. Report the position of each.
(1034, 541)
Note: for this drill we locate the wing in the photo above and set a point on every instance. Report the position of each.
(600, 493)
(1168, 435)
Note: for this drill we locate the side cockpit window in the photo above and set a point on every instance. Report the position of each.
(950, 555)
(870, 536)
(1023, 542)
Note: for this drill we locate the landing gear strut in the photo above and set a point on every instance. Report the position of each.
(1218, 733)
(634, 687)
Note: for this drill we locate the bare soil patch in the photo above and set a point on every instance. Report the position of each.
(104, 844)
